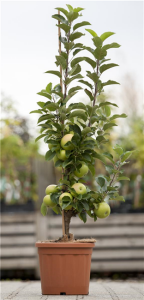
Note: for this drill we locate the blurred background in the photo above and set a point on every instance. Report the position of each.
(29, 46)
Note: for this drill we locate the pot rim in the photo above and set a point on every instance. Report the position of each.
(41, 244)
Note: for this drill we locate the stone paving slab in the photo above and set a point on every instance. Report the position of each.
(99, 290)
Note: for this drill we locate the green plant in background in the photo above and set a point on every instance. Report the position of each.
(18, 151)
(75, 132)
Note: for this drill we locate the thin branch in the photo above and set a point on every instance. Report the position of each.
(59, 34)
(115, 175)
(95, 93)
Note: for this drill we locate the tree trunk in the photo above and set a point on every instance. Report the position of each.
(68, 215)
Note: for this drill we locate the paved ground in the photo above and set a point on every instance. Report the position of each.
(99, 290)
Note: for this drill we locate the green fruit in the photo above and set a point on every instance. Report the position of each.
(61, 155)
(67, 138)
(47, 201)
(79, 188)
(52, 188)
(65, 195)
(50, 146)
(103, 210)
(82, 171)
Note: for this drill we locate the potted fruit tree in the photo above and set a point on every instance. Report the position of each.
(74, 133)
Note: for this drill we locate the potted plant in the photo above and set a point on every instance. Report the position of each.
(74, 134)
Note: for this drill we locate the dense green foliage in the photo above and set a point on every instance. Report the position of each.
(89, 124)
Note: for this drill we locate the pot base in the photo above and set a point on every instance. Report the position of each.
(65, 268)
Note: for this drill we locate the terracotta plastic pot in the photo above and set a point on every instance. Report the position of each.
(65, 268)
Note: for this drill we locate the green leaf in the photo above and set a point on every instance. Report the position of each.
(118, 198)
(76, 60)
(76, 88)
(107, 103)
(40, 136)
(76, 26)
(86, 130)
(60, 18)
(72, 16)
(68, 97)
(49, 88)
(49, 155)
(108, 46)
(83, 216)
(63, 40)
(85, 205)
(107, 111)
(75, 36)
(62, 61)
(126, 155)
(109, 156)
(100, 53)
(57, 73)
(41, 104)
(64, 205)
(108, 125)
(93, 76)
(91, 50)
(77, 51)
(100, 157)
(105, 35)
(109, 82)
(43, 209)
(65, 27)
(45, 117)
(90, 61)
(118, 150)
(75, 128)
(45, 94)
(67, 162)
(56, 209)
(58, 163)
(38, 111)
(78, 45)
(92, 32)
(75, 70)
(86, 83)
(64, 11)
(123, 178)
(79, 105)
(100, 180)
(52, 106)
(100, 138)
(118, 116)
(107, 66)
(78, 113)
(97, 41)
(69, 7)
(57, 93)
(78, 9)
(69, 80)
(89, 94)
(69, 45)
(92, 169)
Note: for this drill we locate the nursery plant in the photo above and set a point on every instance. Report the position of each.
(74, 132)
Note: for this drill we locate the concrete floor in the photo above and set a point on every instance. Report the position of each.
(99, 290)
